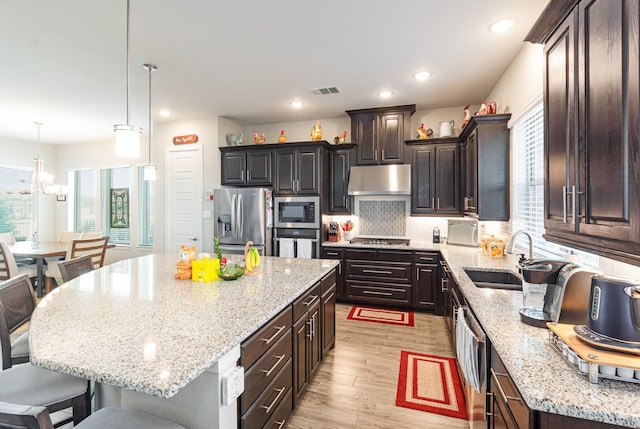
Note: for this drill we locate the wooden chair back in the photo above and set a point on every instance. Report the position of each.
(8, 237)
(75, 267)
(24, 416)
(17, 303)
(96, 247)
(67, 236)
(91, 234)
(8, 265)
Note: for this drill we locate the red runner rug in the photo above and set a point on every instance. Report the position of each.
(381, 315)
(431, 384)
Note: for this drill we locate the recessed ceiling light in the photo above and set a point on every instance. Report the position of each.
(385, 94)
(423, 75)
(296, 104)
(502, 25)
(164, 113)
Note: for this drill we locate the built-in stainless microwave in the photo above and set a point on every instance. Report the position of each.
(296, 212)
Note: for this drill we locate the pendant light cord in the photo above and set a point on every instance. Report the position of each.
(128, 63)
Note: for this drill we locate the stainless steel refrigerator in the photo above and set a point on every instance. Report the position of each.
(241, 215)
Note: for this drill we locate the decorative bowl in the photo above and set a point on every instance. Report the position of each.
(230, 271)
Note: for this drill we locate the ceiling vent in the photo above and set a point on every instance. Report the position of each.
(325, 91)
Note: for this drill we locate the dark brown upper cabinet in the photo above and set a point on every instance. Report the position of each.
(380, 133)
(592, 122)
(240, 166)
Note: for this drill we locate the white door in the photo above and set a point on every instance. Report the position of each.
(184, 189)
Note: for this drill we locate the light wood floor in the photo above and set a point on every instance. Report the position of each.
(355, 386)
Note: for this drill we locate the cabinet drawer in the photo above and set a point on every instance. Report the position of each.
(507, 395)
(264, 407)
(265, 370)
(279, 418)
(308, 299)
(361, 254)
(397, 272)
(328, 281)
(331, 253)
(265, 337)
(379, 292)
(425, 257)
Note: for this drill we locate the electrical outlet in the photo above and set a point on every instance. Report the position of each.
(232, 385)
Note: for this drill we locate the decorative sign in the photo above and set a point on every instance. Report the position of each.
(191, 138)
(120, 208)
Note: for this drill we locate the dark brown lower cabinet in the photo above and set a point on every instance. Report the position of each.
(307, 346)
(281, 357)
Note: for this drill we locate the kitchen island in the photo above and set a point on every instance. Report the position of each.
(546, 381)
(159, 344)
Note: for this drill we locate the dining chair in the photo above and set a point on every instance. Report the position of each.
(67, 236)
(10, 268)
(30, 417)
(74, 267)
(95, 247)
(28, 384)
(8, 237)
(91, 234)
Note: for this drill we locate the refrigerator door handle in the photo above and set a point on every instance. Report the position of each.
(240, 217)
(234, 224)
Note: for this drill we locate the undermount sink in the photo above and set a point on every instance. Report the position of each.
(494, 279)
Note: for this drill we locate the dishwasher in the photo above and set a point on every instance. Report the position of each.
(471, 351)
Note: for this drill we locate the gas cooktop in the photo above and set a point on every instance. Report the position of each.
(384, 241)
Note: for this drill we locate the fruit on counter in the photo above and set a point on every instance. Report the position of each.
(251, 257)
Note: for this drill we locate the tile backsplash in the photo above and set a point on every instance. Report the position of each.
(383, 218)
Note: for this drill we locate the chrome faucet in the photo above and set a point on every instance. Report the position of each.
(512, 243)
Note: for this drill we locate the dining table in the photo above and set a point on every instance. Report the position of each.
(40, 253)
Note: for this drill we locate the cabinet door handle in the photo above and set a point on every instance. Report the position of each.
(268, 372)
(313, 298)
(573, 205)
(438, 203)
(417, 273)
(444, 285)
(382, 156)
(280, 424)
(278, 330)
(311, 323)
(506, 398)
(242, 176)
(564, 204)
(433, 203)
(275, 401)
(248, 175)
(376, 272)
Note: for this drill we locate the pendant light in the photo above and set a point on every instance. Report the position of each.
(149, 170)
(127, 135)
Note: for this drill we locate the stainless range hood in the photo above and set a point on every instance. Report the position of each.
(392, 179)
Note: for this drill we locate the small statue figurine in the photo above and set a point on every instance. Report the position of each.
(340, 139)
(234, 140)
(483, 108)
(424, 134)
(258, 139)
(316, 132)
(183, 267)
(467, 116)
(282, 138)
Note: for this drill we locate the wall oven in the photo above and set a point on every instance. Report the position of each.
(297, 212)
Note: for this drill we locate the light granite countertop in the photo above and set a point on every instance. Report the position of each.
(131, 325)
(546, 380)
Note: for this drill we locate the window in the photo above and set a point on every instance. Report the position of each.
(528, 185)
(145, 231)
(115, 201)
(84, 202)
(15, 201)
(528, 175)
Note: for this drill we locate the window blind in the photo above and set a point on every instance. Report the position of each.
(84, 202)
(145, 230)
(15, 201)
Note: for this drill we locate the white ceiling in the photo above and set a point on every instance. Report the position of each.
(63, 62)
